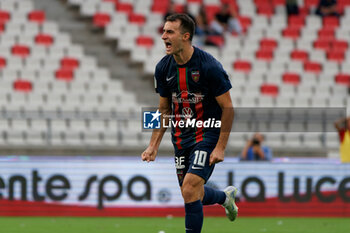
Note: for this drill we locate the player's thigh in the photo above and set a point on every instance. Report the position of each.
(199, 161)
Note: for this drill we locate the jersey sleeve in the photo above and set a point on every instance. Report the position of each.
(218, 79)
(159, 81)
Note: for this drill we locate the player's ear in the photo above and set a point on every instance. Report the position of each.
(186, 36)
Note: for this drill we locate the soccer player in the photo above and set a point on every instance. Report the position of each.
(193, 85)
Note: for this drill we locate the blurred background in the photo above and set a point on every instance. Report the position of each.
(75, 75)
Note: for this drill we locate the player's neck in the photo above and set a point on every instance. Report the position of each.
(184, 56)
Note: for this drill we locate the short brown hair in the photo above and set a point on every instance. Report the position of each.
(186, 23)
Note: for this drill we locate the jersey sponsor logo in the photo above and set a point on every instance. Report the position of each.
(187, 113)
(193, 98)
(195, 75)
(180, 162)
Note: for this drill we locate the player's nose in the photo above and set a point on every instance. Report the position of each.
(164, 36)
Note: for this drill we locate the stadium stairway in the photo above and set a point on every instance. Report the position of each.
(95, 44)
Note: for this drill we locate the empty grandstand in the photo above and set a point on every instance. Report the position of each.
(70, 74)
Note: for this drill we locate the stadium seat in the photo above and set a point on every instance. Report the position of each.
(144, 41)
(291, 33)
(37, 16)
(242, 66)
(44, 39)
(22, 86)
(291, 78)
(20, 50)
(265, 55)
(64, 74)
(269, 90)
(313, 67)
(300, 55)
(2, 62)
(69, 63)
(343, 79)
(5, 16)
(137, 19)
(336, 56)
(124, 7)
(101, 19)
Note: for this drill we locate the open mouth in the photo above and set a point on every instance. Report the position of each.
(167, 45)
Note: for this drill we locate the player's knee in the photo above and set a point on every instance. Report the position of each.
(189, 193)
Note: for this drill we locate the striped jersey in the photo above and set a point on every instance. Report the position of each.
(192, 88)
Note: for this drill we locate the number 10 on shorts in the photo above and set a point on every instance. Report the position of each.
(200, 158)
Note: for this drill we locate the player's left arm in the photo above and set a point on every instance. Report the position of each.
(227, 116)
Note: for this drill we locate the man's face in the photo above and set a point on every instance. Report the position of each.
(172, 37)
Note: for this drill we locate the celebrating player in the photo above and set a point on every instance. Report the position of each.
(193, 87)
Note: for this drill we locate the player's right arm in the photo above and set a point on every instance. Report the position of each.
(151, 151)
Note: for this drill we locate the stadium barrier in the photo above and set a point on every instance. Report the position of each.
(126, 186)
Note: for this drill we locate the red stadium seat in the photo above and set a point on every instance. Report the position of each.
(269, 89)
(265, 9)
(343, 79)
(2, 62)
(291, 78)
(161, 7)
(69, 63)
(322, 45)
(299, 55)
(124, 7)
(330, 22)
(340, 45)
(4, 16)
(296, 22)
(312, 67)
(211, 11)
(243, 66)
(311, 3)
(336, 56)
(266, 55)
(22, 86)
(37, 16)
(179, 8)
(137, 19)
(145, 41)
(268, 44)
(278, 2)
(291, 33)
(101, 19)
(44, 39)
(215, 40)
(245, 21)
(326, 34)
(20, 50)
(64, 75)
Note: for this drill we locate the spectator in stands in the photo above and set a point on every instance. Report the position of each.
(292, 7)
(343, 128)
(327, 8)
(255, 150)
(201, 30)
(226, 21)
(202, 22)
(172, 10)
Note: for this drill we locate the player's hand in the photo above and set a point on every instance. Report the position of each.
(149, 154)
(216, 156)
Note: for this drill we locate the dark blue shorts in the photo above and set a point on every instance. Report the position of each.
(195, 160)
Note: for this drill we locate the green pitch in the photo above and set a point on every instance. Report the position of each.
(170, 225)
